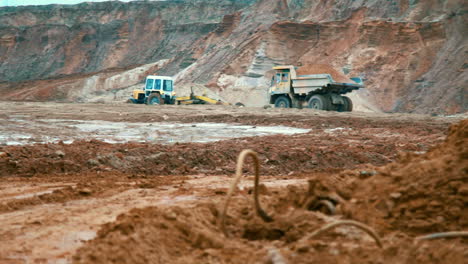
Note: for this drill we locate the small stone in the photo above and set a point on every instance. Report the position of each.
(334, 251)
(93, 162)
(262, 189)
(435, 204)
(303, 249)
(367, 173)
(3, 154)
(60, 153)
(395, 195)
(85, 191)
(463, 190)
(171, 216)
(455, 210)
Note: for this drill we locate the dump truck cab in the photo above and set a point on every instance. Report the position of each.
(317, 91)
(280, 89)
(158, 90)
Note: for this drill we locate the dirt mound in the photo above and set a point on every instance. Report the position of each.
(421, 193)
(192, 235)
(323, 69)
(182, 235)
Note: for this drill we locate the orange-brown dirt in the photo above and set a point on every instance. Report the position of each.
(182, 235)
(323, 69)
(95, 202)
(421, 193)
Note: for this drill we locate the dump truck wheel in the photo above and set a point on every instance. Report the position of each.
(319, 102)
(155, 99)
(348, 103)
(282, 102)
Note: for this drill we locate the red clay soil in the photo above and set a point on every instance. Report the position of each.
(420, 193)
(417, 195)
(81, 186)
(323, 69)
(311, 152)
(193, 235)
(177, 235)
(334, 143)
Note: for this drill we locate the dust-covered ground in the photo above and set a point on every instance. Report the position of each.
(119, 183)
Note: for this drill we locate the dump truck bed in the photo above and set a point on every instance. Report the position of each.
(304, 84)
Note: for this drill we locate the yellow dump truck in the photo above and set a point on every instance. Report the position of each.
(317, 91)
(159, 90)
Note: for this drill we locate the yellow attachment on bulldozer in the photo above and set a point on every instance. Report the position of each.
(137, 93)
(198, 99)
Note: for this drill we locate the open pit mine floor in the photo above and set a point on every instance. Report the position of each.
(122, 183)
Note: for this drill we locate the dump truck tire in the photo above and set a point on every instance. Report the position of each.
(320, 102)
(154, 99)
(282, 102)
(348, 104)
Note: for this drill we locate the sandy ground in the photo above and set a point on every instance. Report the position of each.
(55, 197)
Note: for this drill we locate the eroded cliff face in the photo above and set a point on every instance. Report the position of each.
(45, 41)
(412, 54)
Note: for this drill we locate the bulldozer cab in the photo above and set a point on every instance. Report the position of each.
(159, 83)
(157, 90)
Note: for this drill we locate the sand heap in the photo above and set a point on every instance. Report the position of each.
(323, 69)
(421, 193)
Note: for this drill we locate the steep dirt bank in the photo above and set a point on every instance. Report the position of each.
(391, 56)
(421, 193)
(82, 87)
(46, 41)
(411, 54)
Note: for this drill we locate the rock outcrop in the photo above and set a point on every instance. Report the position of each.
(412, 54)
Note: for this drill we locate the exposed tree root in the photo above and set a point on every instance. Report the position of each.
(359, 225)
(239, 167)
(453, 234)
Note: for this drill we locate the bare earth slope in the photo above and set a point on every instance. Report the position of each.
(412, 55)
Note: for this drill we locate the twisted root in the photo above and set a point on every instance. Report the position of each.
(359, 225)
(327, 203)
(443, 235)
(240, 164)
